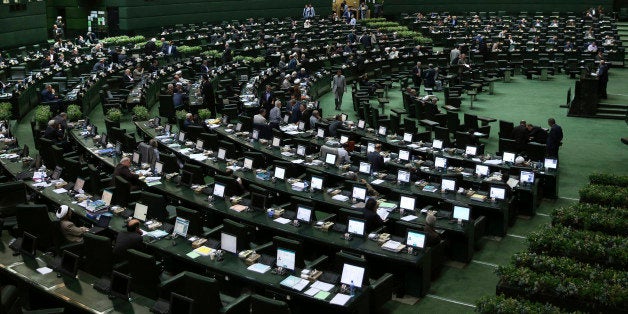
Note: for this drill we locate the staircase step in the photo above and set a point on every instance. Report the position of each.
(612, 111)
(613, 106)
(610, 116)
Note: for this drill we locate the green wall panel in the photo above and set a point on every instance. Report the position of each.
(396, 7)
(23, 27)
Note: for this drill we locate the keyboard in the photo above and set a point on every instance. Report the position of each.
(288, 214)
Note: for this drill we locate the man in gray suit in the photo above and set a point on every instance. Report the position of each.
(339, 87)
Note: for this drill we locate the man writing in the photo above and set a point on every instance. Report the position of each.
(122, 170)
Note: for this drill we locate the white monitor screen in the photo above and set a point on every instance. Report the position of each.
(280, 173)
(228, 242)
(219, 190)
(356, 226)
(136, 158)
(370, 147)
(481, 170)
(255, 134)
(158, 167)
(330, 158)
(508, 157)
(497, 193)
(407, 137)
(140, 212)
(301, 150)
(365, 167)
(301, 126)
(359, 193)
(448, 184)
(222, 153)
(471, 150)
(343, 117)
(286, 118)
(181, 227)
(199, 144)
(238, 127)
(551, 163)
(403, 176)
(361, 124)
(440, 162)
(415, 239)
(106, 197)
(317, 183)
(276, 142)
(407, 202)
(78, 184)
(320, 133)
(167, 128)
(181, 136)
(462, 213)
(382, 130)
(344, 139)
(404, 155)
(526, 177)
(304, 214)
(248, 163)
(352, 275)
(438, 144)
(285, 258)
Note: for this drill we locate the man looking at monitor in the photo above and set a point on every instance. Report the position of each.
(432, 237)
(122, 170)
(71, 232)
(376, 159)
(131, 238)
(372, 219)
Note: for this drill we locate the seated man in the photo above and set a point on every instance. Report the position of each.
(335, 125)
(179, 97)
(432, 237)
(49, 94)
(53, 132)
(376, 159)
(372, 219)
(122, 170)
(71, 232)
(189, 120)
(131, 238)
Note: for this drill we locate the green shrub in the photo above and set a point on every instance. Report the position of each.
(6, 111)
(74, 112)
(212, 53)
(114, 114)
(140, 113)
(204, 114)
(373, 20)
(43, 114)
(502, 305)
(181, 114)
(123, 40)
(605, 195)
(189, 49)
(583, 216)
(608, 179)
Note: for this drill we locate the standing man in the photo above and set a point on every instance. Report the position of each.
(376, 159)
(339, 86)
(207, 91)
(274, 118)
(602, 76)
(417, 76)
(266, 101)
(453, 55)
(554, 138)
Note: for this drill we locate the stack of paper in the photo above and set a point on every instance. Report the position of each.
(340, 299)
(295, 283)
(383, 213)
(340, 197)
(259, 268)
(203, 250)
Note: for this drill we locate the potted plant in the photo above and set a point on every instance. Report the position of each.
(140, 113)
(204, 114)
(114, 115)
(180, 114)
(74, 112)
(6, 111)
(42, 116)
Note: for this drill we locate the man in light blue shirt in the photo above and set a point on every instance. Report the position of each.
(274, 118)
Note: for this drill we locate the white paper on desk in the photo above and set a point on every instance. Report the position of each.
(340, 197)
(39, 175)
(479, 134)
(174, 145)
(151, 179)
(312, 291)
(475, 159)
(198, 157)
(323, 286)
(298, 161)
(409, 218)
(386, 159)
(282, 220)
(512, 182)
(493, 162)
(42, 184)
(465, 174)
(161, 137)
(287, 154)
(383, 213)
(213, 126)
(340, 299)
(59, 191)
(83, 204)
(44, 270)
(413, 146)
(298, 186)
(184, 150)
(377, 181)
(259, 268)
(300, 285)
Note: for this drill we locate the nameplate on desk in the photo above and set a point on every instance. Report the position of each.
(239, 208)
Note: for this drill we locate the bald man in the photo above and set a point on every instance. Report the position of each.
(122, 170)
(131, 238)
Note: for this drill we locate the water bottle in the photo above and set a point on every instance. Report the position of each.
(352, 289)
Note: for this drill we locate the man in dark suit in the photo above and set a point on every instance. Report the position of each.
(46, 63)
(204, 69)
(430, 76)
(150, 47)
(536, 134)
(227, 55)
(602, 76)
(417, 75)
(122, 170)
(372, 220)
(376, 159)
(171, 51)
(99, 66)
(129, 239)
(554, 139)
(207, 90)
(520, 134)
(266, 101)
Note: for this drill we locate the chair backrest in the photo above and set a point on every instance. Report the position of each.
(471, 121)
(34, 219)
(203, 290)
(144, 272)
(98, 255)
(169, 161)
(505, 129)
(122, 194)
(13, 193)
(441, 133)
(462, 139)
(263, 305)
(156, 205)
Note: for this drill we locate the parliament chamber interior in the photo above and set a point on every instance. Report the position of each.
(229, 156)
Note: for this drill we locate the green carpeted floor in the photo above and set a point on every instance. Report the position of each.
(589, 145)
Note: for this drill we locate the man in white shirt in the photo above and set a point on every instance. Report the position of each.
(260, 118)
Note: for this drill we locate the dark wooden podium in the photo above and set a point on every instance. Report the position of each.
(585, 100)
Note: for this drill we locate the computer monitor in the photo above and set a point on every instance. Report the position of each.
(415, 239)
(448, 184)
(159, 167)
(219, 190)
(194, 219)
(301, 126)
(238, 127)
(248, 163)
(140, 212)
(181, 227)
(330, 158)
(136, 158)
(301, 150)
(403, 176)
(361, 124)
(56, 174)
(286, 258)
(78, 184)
(344, 139)
(407, 202)
(276, 141)
(286, 118)
(481, 170)
(255, 134)
(320, 133)
(280, 173)
(186, 178)
(228, 242)
(181, 136)
(181, 304)
(365, 167)
(69, 263)
(508, 157)
(471, 150)
(404, 155)
(120, 285)
(359, 193)
(381, 130)
(498, 193)
(199, 144)
(222, 154)
(370, 147)
(526, 177)
(356, 226)
(407, 137)
(316, 183)
(106, 197)
(304, 214)
(352, 274)
(550, 163)
(167, 128)
(29, 244)
(462, 213)
(343, 117)
(258, 201)
(438, 144)
(440, 162)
